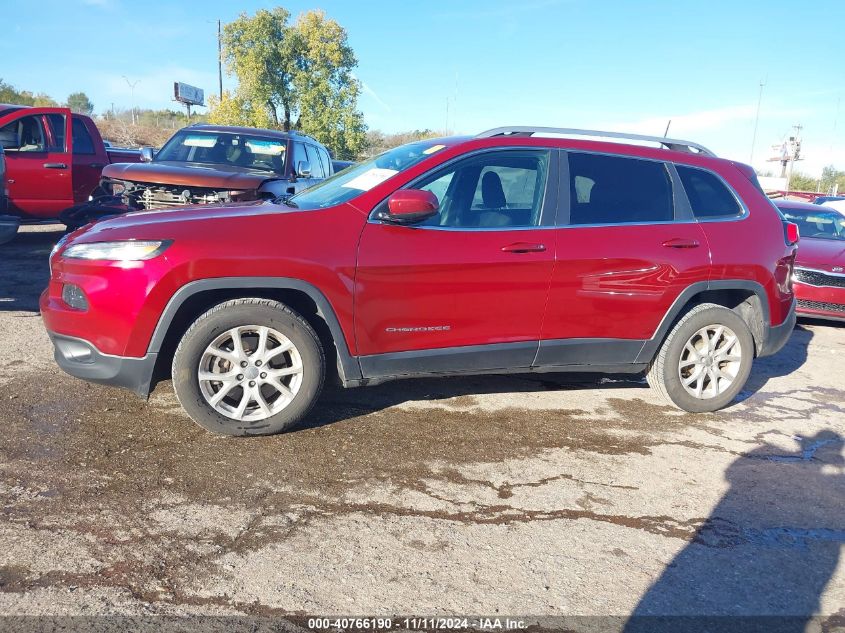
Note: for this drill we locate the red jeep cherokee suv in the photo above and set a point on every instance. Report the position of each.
(511, 251)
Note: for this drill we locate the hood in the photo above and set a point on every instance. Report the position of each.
(189, 174)
(147, 223)
(821, 254)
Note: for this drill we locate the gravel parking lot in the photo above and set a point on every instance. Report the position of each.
(547, 495)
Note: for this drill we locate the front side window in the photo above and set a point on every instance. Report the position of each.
(490, 190)
(25, 134)
(314, 162)
(327, 164)
(299, 156)
(618, 190)
(222, 148)
(708, 196)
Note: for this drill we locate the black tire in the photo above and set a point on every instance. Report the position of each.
(664, 376)
(245, 312)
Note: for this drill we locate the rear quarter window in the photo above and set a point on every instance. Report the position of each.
(708, 195)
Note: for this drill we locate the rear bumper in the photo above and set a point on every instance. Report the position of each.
(81, 359)
(777, 335)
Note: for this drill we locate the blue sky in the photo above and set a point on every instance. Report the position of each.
(622, 65)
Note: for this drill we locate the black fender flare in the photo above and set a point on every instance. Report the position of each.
(651, 346)
(348, 365)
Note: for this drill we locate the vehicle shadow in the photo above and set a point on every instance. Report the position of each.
(25, 268)
(791, 358)
(337, 404)
(763, 558)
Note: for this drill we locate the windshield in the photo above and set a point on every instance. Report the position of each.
(357, 179)
(222, 148)
(825, 225)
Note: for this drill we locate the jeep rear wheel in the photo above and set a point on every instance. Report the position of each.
(705, 360)
(248, 367)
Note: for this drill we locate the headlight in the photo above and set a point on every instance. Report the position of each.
(127, 251)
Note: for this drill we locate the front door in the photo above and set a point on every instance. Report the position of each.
(626, 251)
(467, 288)
(38, 161)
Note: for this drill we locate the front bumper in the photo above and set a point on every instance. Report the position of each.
(820, 302)
(81, 359)
(776, 336)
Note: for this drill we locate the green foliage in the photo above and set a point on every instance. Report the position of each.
(378, 142)
(832, 179)
(293, 76)
(235, 110)
(80, 103)
(9, 94)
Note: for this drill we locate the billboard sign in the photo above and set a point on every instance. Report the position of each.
(187, 94)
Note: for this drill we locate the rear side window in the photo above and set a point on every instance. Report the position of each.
(708, 196)
(82, 143)
(618, 190)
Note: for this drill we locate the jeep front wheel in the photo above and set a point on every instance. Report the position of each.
(705, 360)
(248, 367)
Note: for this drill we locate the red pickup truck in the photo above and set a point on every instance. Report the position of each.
(53, 160)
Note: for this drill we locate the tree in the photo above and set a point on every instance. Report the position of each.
(80, 103)
(293, 76)
(802, 182)
(235, 110)
(832, 179)
(41, 100)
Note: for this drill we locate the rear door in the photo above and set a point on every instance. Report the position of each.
(627, 246)
(37, 144)
(89, 158)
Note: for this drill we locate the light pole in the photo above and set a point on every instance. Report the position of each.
(132, 85)
(756, 121)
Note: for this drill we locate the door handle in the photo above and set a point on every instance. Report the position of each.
(680, 242)
(524, 247)
(96, 165)
(55, 166)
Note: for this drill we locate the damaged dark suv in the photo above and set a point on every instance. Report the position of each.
(208, 164)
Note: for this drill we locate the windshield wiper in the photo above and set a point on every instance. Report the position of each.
(285, 199)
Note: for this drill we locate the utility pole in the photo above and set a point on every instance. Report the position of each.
(132, 85)
(795, 151)
(756, 120)
(220, 59)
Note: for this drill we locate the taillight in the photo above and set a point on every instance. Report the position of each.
(790, 232)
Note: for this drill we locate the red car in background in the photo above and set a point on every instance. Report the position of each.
(819, 277)
(54, 159)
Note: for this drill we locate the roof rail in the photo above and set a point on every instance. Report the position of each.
(669, 143)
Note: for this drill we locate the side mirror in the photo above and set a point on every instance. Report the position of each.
(303, 169)
(408, 206)
(147, 154)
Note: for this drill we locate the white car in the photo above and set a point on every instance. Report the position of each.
(839, 205)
